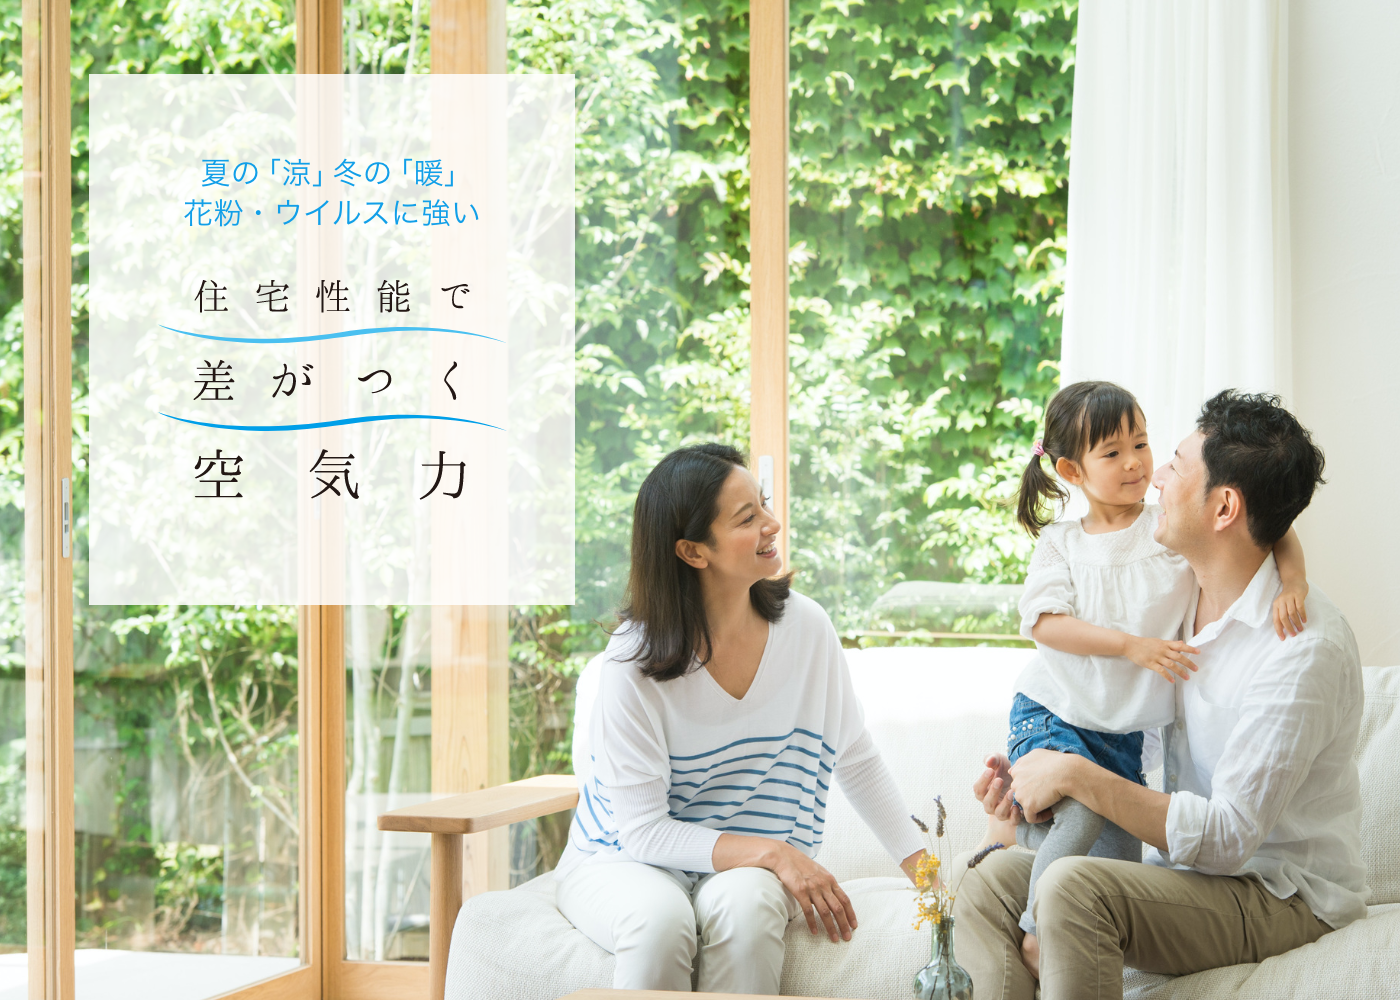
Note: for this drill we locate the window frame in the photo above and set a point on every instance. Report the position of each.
(48, 431)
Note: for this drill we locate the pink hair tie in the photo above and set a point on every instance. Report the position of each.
(1038, 450)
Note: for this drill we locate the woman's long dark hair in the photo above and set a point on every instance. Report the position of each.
(1078, 417)
(680, 499)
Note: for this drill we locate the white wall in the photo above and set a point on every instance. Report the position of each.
(1344, 166)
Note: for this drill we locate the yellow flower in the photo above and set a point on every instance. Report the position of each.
(928, 912)
(926, 872)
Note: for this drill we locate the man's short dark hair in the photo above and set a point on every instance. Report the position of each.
(1253, 444)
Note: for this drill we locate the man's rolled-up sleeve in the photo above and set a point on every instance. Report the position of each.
(1186, 824)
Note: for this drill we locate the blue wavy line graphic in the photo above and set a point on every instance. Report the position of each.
(331, 423)
(332, 336)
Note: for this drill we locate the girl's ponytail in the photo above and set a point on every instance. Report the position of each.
(1037, 487)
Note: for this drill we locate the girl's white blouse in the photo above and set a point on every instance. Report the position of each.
(1122, 580)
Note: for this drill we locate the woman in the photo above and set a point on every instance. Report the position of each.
(724, 709)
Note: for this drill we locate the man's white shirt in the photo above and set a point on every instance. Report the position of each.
(1259, 762)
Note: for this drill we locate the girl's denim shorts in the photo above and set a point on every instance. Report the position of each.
(1035, 727)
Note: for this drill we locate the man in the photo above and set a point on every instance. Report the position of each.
(1258, 830)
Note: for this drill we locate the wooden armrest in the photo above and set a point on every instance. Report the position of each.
(472, 812)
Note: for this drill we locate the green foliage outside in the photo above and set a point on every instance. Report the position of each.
(928, 162)
(929, 168)
(12, 839)
(929, 189)
(202, 704)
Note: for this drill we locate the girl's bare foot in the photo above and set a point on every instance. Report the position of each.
(1030, 954)
(999, 831)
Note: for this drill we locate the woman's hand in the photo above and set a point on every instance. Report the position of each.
(1163, 656)
(816, 889)
(1290, 613)
(911, 863)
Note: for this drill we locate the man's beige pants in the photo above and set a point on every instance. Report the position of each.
(1095, 916)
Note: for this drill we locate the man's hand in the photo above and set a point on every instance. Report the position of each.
(1163, 656)
(1040, 779)
(1290, 613)
(993, 790)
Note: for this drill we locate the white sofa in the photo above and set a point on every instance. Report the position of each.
(934, 713)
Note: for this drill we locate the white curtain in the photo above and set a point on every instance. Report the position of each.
(1178, 204)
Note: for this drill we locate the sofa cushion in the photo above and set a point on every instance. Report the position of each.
(1376, 753)
(1355, 963)
(878, 962)
(516, 945)
(934, 714)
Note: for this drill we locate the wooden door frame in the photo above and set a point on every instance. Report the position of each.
(768, 255)
(48, 436)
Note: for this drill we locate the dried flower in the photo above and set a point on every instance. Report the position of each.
(934, 901)
(981, 855)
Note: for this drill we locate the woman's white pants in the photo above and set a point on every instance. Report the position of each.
(660, 924)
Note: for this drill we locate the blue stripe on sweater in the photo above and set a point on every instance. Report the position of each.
(760, 739)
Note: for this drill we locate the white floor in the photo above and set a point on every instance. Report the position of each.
(148, 975)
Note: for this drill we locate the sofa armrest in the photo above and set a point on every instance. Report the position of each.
(501, 805)
(448, 820)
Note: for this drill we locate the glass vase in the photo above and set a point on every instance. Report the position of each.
(943, 978)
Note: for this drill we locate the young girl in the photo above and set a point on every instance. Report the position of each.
(1104, 603)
